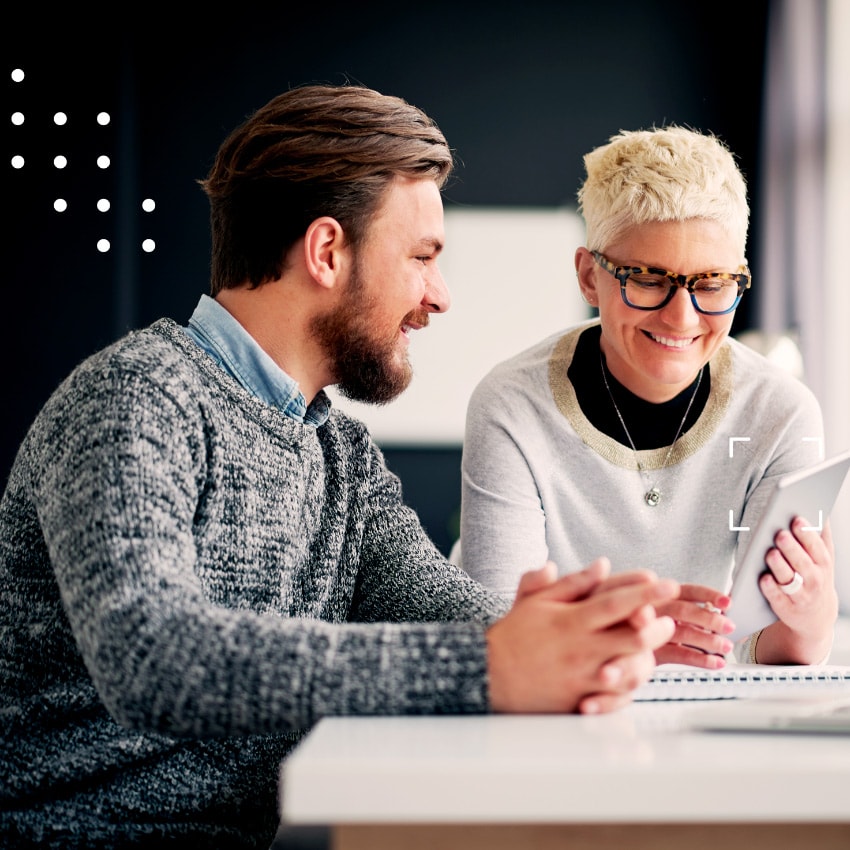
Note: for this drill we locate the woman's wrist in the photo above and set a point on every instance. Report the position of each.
(779, 644)
(752, 648)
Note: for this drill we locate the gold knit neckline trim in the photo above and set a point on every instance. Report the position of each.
(692, 441)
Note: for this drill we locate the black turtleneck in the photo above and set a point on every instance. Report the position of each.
(651, 426)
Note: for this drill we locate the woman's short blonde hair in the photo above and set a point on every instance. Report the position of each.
(667, 174)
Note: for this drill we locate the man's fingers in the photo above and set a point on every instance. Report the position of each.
(593, 580)
(642, 617)
(658, 632)
(622, 603)
(571, 586)
(603, 703)
(596, 578)
(535, 580)
(617, 680)
(639, 576)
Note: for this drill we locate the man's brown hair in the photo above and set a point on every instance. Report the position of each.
(313, 151)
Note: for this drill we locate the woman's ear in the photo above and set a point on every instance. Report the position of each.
(325, 251)
(586, 274)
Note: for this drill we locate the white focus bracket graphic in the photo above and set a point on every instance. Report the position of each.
(732, 526)
(819, 441)
(733, 440)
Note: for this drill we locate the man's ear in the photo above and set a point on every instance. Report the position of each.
(586, 273)
(325, 251)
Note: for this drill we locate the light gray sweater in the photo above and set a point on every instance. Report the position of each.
(189, 580)
(540, 481)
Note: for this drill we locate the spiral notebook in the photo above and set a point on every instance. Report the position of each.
(740, 681)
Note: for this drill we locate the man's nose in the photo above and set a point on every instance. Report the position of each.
(436, 298)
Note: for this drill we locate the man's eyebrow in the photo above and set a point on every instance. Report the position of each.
(430, 242)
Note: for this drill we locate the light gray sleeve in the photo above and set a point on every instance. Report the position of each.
(796, 440)
(503, 526)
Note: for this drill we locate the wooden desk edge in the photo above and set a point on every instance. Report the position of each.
(593, 836)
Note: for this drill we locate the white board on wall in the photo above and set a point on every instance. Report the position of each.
(512, 280)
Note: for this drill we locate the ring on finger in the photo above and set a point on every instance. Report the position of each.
(791, 587)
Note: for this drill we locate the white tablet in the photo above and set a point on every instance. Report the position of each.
(822, 711)
(809, 493)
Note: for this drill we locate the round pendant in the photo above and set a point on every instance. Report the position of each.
(652, 497)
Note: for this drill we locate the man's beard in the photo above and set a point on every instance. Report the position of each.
(366, 367)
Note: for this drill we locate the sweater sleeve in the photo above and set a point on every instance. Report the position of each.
(401, 572)
(791, 438)
(503, 524)
(119, 482)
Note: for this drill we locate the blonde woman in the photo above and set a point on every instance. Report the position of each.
(613, 437)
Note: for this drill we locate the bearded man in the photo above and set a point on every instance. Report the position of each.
(199, 558)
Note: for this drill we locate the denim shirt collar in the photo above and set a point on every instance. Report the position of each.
(238, 353)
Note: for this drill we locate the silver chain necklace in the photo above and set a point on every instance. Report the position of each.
(653, 495)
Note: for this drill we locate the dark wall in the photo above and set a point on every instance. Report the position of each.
(521, 91)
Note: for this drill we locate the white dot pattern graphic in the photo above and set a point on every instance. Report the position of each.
(68, 163)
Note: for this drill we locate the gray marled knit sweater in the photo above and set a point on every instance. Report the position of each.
(189, 580)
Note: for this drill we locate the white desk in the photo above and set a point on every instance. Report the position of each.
(635, 778)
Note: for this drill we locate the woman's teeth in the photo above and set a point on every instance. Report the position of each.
(671, 342)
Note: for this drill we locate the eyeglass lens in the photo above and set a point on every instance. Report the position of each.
(712, 294)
